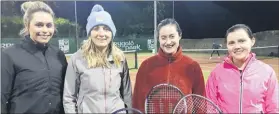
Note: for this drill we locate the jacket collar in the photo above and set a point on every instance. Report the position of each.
(32, 47)
(173, 57)
(248, 61)
(110, 57)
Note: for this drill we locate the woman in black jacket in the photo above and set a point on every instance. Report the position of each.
(32, 75)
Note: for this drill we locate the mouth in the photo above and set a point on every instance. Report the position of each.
(44, 36)
(169, 46)
(238, 52)
(102, 40)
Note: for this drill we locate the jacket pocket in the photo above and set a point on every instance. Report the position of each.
(79, 105)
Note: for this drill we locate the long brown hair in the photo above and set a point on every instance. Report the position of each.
(96, 58)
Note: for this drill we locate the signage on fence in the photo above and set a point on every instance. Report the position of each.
(5, 45)
(150, 44)
(69, 45)
(142, 45)
(128, 45)
(64, 45)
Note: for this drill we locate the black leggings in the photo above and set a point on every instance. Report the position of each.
(214, 51)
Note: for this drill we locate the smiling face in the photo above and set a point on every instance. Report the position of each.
(41, 27)
(101, 36)
(239, 45)
(169, 39)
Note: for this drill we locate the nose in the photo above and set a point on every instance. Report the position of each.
(45, 29)
(168, 41)
(236, 46)
(101, 32)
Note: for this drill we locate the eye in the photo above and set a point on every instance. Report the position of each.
(96, 28)
(163, 37)
(242, 41)
(106, 28)
(230, 43)
(172, 36)
(39, 24)
(49, 25)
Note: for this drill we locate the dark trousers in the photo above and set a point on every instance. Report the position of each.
(214, 51)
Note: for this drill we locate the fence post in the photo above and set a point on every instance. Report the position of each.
(136, 59)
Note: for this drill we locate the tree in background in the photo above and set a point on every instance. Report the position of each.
(8, 8)
(139, 17)
(132, 19)
(11, 25)
(12, 22)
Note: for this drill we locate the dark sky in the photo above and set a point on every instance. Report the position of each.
(212, 19)
(198, 19)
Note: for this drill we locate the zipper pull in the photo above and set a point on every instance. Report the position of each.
(170, 60)
(241, 73)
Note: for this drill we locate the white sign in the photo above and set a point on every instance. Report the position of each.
(150, 44)
(128, 45)
(5, 45)
(64, 45)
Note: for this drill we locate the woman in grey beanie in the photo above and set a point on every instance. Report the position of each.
(97, 78)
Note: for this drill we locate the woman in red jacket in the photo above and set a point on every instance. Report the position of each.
(168, 66)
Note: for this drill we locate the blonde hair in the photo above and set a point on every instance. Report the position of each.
(96, 58)
(29, 8)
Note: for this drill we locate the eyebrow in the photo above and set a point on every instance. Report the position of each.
(240, 39)
(169, 34)
(42, 22)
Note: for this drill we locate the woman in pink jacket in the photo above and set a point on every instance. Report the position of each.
(243, 84)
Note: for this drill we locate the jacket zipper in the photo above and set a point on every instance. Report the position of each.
(49, 90)
(241, 92)
(241, 83)
(169, 69)
(169, 59)
(105, 90)
(241, 86)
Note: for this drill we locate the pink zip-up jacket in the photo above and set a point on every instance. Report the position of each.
(259, 87)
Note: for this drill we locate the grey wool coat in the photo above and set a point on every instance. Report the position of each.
(96, 90)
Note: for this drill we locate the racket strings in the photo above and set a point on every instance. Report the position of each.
(163, 99)
(195, 104)
(203, 105)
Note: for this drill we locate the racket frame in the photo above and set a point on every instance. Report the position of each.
(190, 95)
(128, 109)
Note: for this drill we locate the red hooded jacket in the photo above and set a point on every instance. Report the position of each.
(177, 69)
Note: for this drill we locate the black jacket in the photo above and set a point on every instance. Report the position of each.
(215, 46)
(32, 78)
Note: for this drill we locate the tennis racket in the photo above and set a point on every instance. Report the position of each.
(126, 110)
(162, 98)
(193, 103)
